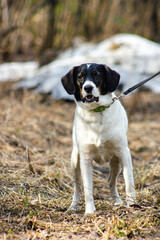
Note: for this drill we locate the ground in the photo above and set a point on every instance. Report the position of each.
(35, 179)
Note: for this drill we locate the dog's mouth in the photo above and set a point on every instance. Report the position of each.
(90, 98)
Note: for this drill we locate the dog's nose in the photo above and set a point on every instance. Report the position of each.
(88, 88)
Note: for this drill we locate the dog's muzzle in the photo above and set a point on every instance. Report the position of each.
(89, 97)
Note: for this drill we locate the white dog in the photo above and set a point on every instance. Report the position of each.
(99, 134)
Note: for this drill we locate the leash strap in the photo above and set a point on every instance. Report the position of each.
(129, 90)
(140, 84)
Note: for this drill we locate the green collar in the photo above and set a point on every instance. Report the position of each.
(102, 108)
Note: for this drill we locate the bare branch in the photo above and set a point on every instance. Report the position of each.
(29, 161)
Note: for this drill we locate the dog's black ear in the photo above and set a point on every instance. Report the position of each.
(112, 78)
(67, 82)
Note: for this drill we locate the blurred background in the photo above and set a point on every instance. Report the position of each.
(40, 29)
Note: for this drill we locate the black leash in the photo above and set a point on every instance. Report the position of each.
(140, 84)
(129, 90)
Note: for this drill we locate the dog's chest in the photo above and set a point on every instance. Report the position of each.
(96, 136)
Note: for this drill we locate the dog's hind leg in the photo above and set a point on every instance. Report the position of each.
(126, 161)
(115, 169)
(75, 166)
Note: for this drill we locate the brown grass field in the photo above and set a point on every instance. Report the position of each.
(35, 179)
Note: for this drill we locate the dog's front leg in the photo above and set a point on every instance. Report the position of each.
(75, 166)
(87, 171)
(128, 176)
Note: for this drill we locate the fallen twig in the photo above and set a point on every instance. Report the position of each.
(29, 161)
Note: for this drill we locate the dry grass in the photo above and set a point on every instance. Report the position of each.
(35, 180)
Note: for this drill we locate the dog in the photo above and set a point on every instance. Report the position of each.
(99, 132)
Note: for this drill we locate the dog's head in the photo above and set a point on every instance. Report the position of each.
(89, 81)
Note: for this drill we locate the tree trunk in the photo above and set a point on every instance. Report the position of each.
(49, 38)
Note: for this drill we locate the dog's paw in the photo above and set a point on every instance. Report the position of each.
(73, 208)
(130, 201)
(90, 209)
(118, 201)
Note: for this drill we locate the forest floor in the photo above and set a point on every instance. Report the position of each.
(35, 178)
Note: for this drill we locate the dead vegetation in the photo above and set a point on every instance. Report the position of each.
(39, 29)
(35, 179)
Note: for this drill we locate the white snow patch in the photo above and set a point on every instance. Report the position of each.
(15, 71)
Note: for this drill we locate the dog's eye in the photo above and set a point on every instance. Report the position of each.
(81, 76)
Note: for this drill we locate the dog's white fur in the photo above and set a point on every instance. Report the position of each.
(100, 137)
